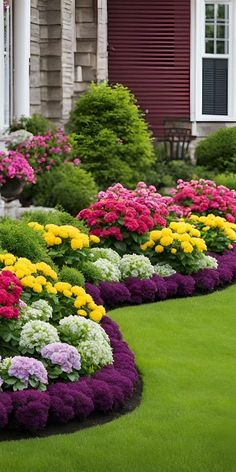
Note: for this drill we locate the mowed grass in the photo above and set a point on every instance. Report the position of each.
(186, 351)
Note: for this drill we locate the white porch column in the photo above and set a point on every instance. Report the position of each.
(102, 55)
(1, 67)
(21, 58)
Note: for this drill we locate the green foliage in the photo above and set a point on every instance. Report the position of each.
(68, 186)
(218, 150)
(113, 139)
(90, 272)
(228, 180)
(166, 172)
(35, 124)
(56, 217)
(17, 238)
(72, 276)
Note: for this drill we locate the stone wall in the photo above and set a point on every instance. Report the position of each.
(63, 54)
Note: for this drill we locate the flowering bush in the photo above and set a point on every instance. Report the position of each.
(205, 196)
(19, 373)
(108, 271)
(17, 137)
(10, 291)
(122, 217)
(39, 310)
(136, 266)
(62, 360)
(47, 151)
(218, 233)
(180, 245)
(13, 165)
(90, 340)
(35, 335)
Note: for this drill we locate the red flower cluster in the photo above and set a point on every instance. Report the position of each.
(119, 210)
(205, 196)
(10, 290)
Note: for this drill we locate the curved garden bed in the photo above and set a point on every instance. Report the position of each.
(108, 389)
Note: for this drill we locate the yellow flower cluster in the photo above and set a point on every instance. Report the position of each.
(178, 236)
(35, 276)
(217, 222)
(83, 303)
(54, 235)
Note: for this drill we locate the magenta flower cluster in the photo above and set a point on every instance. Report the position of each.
(63, 355)
(10, 291)
(25, 367)
(119, 210)
(13, 165)
(204, 197)
(47, 151)
(107, 389)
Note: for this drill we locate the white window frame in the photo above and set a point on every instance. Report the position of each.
(197, 55)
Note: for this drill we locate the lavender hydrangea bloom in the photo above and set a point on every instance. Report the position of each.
(25, 367)
(64, 355)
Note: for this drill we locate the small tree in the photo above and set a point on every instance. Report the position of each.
(113, 139)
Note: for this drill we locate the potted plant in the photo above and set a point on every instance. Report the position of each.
(15, 172)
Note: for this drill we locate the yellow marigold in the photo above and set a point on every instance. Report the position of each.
(82, 312)
(41, 280)
(80, 301)
(187, 247)
(58, 241)
(76, 244)
(54, 229)
(51, 289)
(9, 259)
(94, 239)
(67, 293)
(36, 226)
(61, 286)
(37, 288)
(76, 290)
(173, 250)
(28, 281)
(166, 241)
(159, 248)
(63, 233)
(166, 232)
(20, 274)
(96, 315)
(49, 239)
(155, 235)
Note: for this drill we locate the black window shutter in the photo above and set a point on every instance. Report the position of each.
(215, 87)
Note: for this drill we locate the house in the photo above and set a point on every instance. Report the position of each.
(177, 56)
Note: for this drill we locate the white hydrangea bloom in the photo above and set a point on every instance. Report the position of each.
(164, 270)
(109, 272)
(36, 334)
(90, 339)
(39, 310)
(104, 253)
(133, 265)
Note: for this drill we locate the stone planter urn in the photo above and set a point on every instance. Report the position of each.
(11, 189)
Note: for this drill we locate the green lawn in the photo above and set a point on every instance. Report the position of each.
(186, 351)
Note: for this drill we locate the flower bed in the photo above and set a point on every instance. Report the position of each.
(107, 389)
(156, 288)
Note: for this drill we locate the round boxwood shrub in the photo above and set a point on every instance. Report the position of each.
(218, 150)
(72, 276)
(73, 188)
(113, 139)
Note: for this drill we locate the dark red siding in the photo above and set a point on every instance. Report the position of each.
(149, 52)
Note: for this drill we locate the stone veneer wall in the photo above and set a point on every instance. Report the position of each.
(63, 54)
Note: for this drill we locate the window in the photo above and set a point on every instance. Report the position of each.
(216, 28)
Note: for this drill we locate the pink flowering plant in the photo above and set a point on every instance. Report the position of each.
(204, 197)
(48, 151)
(123, 218)
(13, 165)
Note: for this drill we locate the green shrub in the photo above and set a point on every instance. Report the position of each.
(90, 272)
(72, 276)
(35, 124)
(228, 180)
(113, 139)
(55, 217)
(218, 150)
(68, 186)
(17, 238)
